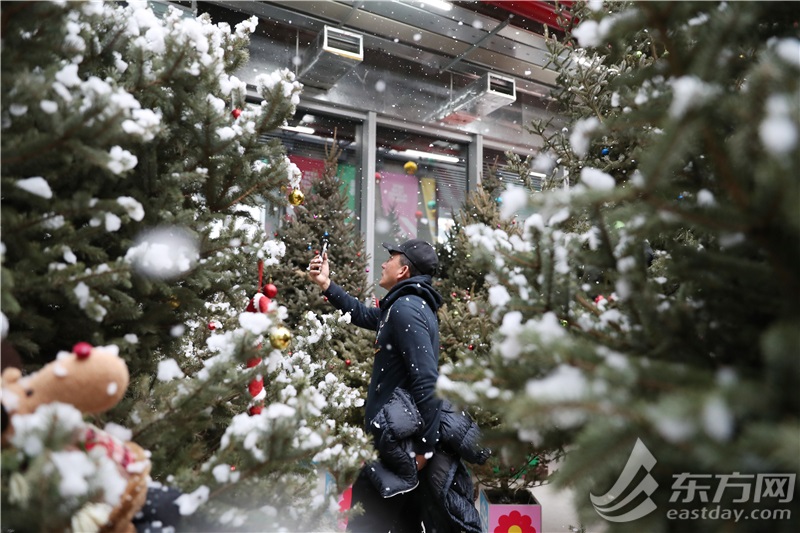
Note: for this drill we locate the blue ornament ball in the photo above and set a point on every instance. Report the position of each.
(604, 151)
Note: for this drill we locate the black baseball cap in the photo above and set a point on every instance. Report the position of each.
(421, 254)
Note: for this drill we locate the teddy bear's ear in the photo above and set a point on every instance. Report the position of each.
(11, 375)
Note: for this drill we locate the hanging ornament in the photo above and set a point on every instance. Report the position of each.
(263, 303)
(296, 197)
(279, 337)
(499, 200)
(174, 303)
(213, 325)
(418, 214)
(254, 410)
(604, 151)
(471, 346)
(410, 167)
(348, 362)
(236, 113)
(432, 204)
(256, 386)
(82, 350)
(377, 177)
(270, 290)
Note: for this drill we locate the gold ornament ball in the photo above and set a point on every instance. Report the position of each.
(296, 197)
(410, 167)
(280, 337)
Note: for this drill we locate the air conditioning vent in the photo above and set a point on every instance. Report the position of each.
(338, 41)
(504, 86)
(478, 99)
(333, 54)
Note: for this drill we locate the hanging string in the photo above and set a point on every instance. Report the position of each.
(260, 275)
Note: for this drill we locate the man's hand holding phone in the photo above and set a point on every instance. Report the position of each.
(318, 269)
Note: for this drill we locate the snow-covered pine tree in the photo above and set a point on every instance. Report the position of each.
(130, 164)
(467, 329)
(108, 112)
(324, 217)
(683, 133)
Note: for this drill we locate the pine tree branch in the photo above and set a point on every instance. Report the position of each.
(167, 76)
(247, 193)
(725, 172)
(586, 304)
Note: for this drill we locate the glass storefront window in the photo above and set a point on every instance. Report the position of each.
(421, 184)
(498, 160)
(305, 139)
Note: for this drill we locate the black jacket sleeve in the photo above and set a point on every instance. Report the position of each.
(360, 314)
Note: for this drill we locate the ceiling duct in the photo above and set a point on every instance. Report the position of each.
(478, 99)
(333, 54)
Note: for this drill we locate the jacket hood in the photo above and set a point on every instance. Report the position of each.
(421, 286)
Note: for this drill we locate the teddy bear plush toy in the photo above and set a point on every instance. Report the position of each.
(92, 380)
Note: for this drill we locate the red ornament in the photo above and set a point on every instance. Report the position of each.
(471, 346)
(263, 304)
(254, 410)
(377, 177)
(236, 113)
(82, 350)
(253, 361)
(270, 290)
(212, 325)
(599, 298)
(251, 306)
(418, 214)
(256, 386)
(348, 362)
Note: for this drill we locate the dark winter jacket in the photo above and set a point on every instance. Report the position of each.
(451, 482)
(406, 349)
(394, 428)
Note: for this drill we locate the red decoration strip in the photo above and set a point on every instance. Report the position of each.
(536, 10)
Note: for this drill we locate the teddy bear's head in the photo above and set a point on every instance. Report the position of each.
(93, 380)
